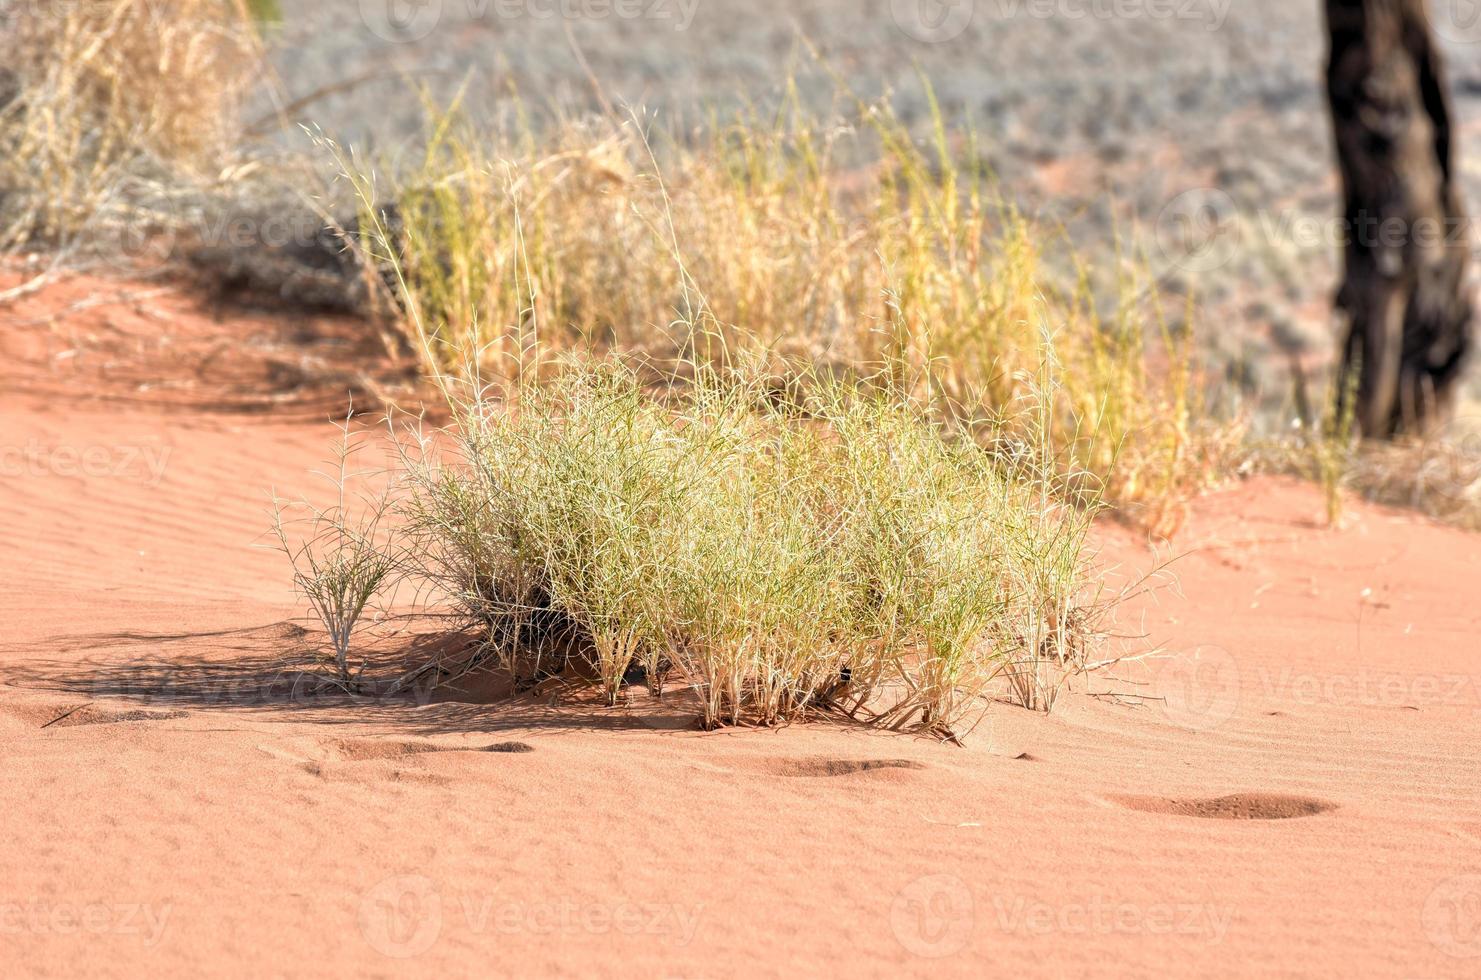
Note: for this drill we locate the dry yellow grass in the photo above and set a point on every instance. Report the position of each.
(121, 110)
(847, 247)
(844, 244)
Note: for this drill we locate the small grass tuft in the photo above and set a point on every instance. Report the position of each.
(344, 557)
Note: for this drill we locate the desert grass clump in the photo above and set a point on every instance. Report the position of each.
(117, 114)
(840, 551)
(1439, 476)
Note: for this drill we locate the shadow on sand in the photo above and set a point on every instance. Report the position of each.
(277, 673)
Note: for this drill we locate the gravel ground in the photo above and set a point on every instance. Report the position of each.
(1117, 117)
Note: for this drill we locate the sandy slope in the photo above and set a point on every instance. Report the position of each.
(169, 804)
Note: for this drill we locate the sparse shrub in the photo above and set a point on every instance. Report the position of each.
(842, 552)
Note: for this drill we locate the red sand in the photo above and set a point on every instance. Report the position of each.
(1305, 801)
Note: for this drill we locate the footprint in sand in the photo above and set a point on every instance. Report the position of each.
(1238, 806)
(44, 716)
(312, 750)
(821, 767)
(508, 748)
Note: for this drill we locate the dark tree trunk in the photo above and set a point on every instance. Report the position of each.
(1404, 291)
